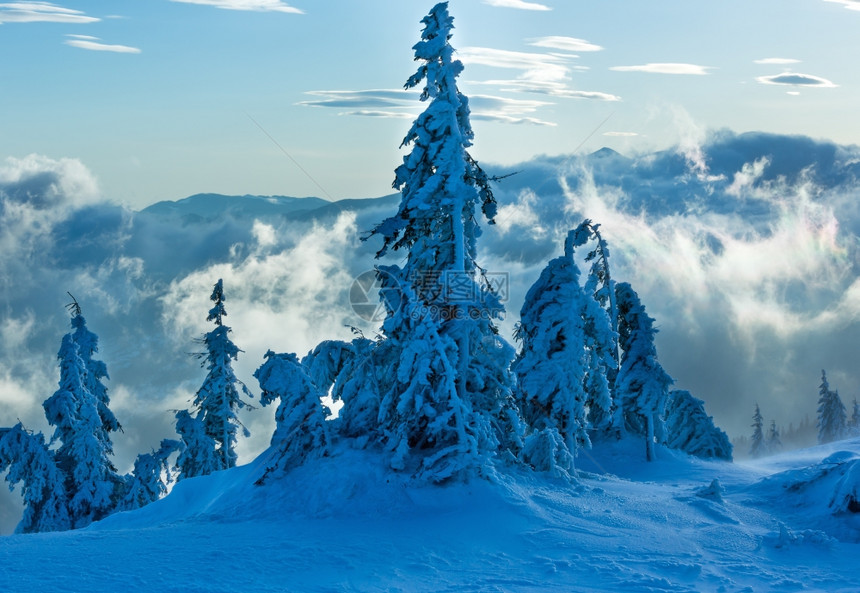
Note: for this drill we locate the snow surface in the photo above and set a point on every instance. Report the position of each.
(346, 523)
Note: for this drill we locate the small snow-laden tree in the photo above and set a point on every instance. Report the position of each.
(91, 481)
(349, 372)
(553, 364)
(429, 428)
(301, 432)
(197, 452)
(30, 463)
(774, 443)
(832, 421)
(442, 187)
(601, 329)
(150, 478)
(546, 451)
(88, 346)
(758, 446)
(691, 430)
(642, 384)
(218, 402)
(854, 423)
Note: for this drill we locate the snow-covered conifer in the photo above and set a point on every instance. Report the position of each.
(553, 365)
(350, 373)
(218, 402)
(642, 384)
(30, 463)
(442, 187)
(854, 423)
(774, 443)
(301, 430)
(691, 430)
(150, 478)
(88, 346)
(83, 457)
(198, 455)
(758, 446)
(601, 329)
(831, 413)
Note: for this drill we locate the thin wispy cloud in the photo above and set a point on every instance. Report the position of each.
(571, 44)
(382, 103)
(797, 79)
(505, 110)
(849, 4)
(776, 61)
(665, 68)
(41, 12)
(250, 5)
(401, 104)
(541, 73)
(91, 43)
(519, 4)
(620, 134)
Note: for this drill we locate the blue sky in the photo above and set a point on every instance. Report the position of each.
(161, 99)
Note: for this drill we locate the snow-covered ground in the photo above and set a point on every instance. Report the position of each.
(344, 523)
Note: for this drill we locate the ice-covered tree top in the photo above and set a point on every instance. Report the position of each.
(217, 312)
(439, 180)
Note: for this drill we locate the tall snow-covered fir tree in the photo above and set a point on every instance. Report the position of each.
(758, 446)
(442, 187)
(605, 412)
(641, 384)
(218, 402)
(83, 457)
(690, 429)
(832, 421)
(556, 365)
(29, 462)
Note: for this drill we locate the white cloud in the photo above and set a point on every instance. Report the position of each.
(250, 5)
(776, 61)
(520, 4)
(94, 44)
(796, 79)
(621, 134)
(542, 73)
(565, 44)
(41, 12)
(849, 4)
(505, 110)
(665, 68)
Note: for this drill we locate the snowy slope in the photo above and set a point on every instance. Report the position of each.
(347, 524)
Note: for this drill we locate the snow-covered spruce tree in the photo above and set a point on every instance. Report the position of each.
(88, 346)
(442, 186)
(758, 446)
(554, 364)
(774, 443)
(641, 384)
(831, 413)
(218, 402)
(854, 422)
(691, 430)
(350, 373)
(605, 412)
(301, 430)
(90, 478)
(197, 453)
(32, 464)
(150, 478)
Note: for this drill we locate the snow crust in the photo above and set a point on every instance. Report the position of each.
(347, 523)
